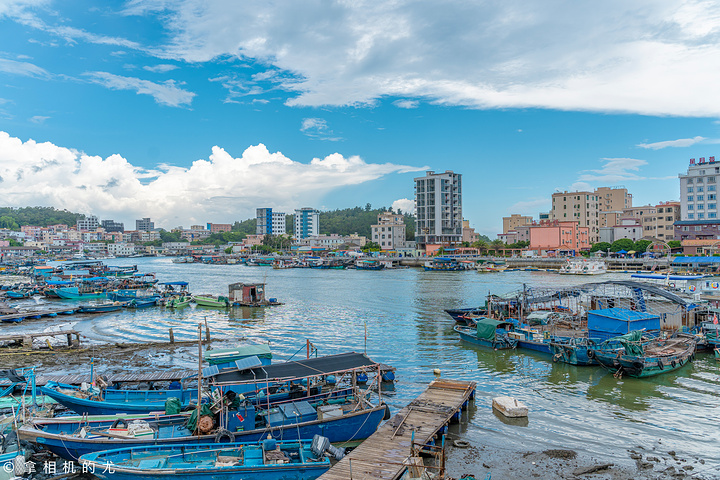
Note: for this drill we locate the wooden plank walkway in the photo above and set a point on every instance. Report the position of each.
(164, 376)
(15, 317)
(383, 456)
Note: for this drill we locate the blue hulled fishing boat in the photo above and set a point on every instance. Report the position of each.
(488, 332)
(269, 460)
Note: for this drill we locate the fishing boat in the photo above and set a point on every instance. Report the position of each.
(101, 307)
(637, 356)
(369, 265)
(572, 350)
(249, 295)
(491, 267)
(81, 292)
(488, 332)
(583, 267)
(178, 301)
(459, 314)
(267, 460)
(20, 294)
(211, 301)
(443, 264)
(350, 417)
(142, 303)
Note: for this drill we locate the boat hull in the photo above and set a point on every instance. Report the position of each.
(472, 338)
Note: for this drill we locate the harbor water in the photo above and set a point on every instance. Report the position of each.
(397, 317)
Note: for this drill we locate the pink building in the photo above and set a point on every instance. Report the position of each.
(558, 235)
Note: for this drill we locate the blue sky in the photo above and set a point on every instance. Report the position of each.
(192, 111)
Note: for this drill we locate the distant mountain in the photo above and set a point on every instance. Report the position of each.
(14, 218)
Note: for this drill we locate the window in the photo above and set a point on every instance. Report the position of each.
(668, 218)
(690, 198)
(700, 206)
(700, 215)
(712, 196)
(686, 229)
(699, 189)
(698, 228)
(711, 188)
(660, 210)
(711, 206)
(700, 198)
(711, 180)
(712, 215)
(690, 181)
(700, 180)
(691, 207)
(690, 189)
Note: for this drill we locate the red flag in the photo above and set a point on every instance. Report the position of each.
(715, 320)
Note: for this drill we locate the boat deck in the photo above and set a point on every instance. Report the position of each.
(383, 456)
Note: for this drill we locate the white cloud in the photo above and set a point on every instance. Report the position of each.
(681, 142)
(221, 188)
(318, 128)
(165, 93)
(614, 170)
(655, 57)
(406, 103)
(405, 204)
(530, 207)
(22, 68)
(162, 68)
(38, 119)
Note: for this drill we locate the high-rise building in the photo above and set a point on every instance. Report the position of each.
(88, 223)
(389, 232)
(144, 225)
(581, 207)
(698, 190)
(269, 222)
(112, 226)
(307, 223)
(516, 220)
(438, 206)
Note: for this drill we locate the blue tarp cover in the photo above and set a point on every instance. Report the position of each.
(611, 322)
(696, 260)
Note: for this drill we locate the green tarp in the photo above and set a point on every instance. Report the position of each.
(192, 420)
(631, 342)
(486, 328)
(172, 406)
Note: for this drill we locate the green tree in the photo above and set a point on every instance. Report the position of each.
(14, 243)
(622, 244)
(674, 244)
(7, 221)
(370, 247)
(641, 246)
(168, 237)
(228, 250)
(600, 246)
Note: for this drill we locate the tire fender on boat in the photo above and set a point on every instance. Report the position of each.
(461, 443)
(120, 423)
(386, 416)
(557, 357)
(224, 436)
(660, 364)
(591, 353)
(673, 363)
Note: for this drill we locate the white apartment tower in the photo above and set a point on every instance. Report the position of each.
(269, 222)
(389, 232)
(698, 190)
(90, 223)
(438, 204)
(307, 223)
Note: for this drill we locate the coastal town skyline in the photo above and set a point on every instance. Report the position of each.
(138, 109)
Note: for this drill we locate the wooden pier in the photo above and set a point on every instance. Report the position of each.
(22, 315)
(385, 455)
(164, 376)
(28, 337)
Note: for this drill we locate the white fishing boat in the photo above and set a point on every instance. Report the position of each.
(583, 267)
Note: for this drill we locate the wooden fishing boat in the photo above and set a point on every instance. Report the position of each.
(101, 307)
(178, 302)
(211, 301)
(142, 302)
(458, 314)
(441, 264)
(268, 460)
(572, 350)
(369, 265)
(20, 294)
(78, 293)
(637, 356)
(488, 332)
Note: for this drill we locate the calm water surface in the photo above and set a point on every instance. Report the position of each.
(582, 408)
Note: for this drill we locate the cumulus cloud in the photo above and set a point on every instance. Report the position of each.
(318, 128)
(221, 188)
(681, 142)
(405, 205)
(162, 68)
(166, 93)
(406, 103)
(649, 56)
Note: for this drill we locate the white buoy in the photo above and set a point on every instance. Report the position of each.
(510, 407)
(437, 372)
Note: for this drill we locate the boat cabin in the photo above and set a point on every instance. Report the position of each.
(247, 293)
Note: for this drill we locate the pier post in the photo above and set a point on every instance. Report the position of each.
(172, 336)
(207, 331)
(69, 339)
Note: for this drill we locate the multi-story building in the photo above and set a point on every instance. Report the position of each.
(698, 190)
(647, 216)
(438, 207)
(613, 199)
(89, 223)
(144, 225)
(389, 232)
(112, 226)
(516, 220)
(332, 242)
(307, 223)
(697, 230)
(121, 249)
(225, 227)
(559, 237)
(667, 214)
(630, 228)
(468, 233)
(581, 207)
(269, 222)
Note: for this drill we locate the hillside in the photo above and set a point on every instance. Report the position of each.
(14, 218)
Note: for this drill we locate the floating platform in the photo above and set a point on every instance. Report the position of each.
(20, 316)
(385, 455)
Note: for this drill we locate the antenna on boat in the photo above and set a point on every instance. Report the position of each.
(199, 400)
